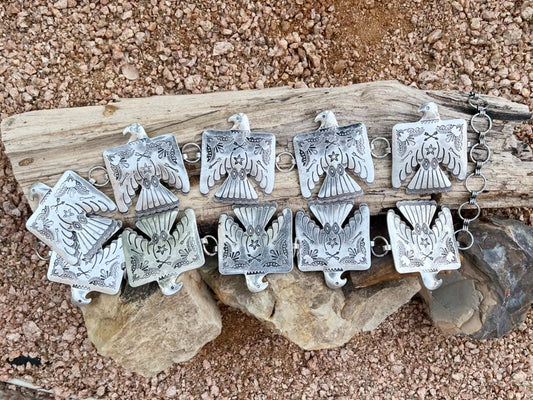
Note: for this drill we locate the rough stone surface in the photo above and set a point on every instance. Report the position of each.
(146, 331)
(493, 291)
(303, 309)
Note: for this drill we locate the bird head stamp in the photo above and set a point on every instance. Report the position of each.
(252, 249)
(424, 246)
(68, 218)
(336, 152)
(427, 148)
(146, 163)
(237, 156)
(334, 247)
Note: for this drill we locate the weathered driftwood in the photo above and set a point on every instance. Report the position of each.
(42, 144)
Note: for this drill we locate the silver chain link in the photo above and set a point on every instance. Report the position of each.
(479, 154)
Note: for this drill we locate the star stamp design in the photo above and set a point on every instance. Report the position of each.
(336, 152)
(240, 154)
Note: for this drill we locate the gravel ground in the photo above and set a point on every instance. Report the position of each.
(76, 53)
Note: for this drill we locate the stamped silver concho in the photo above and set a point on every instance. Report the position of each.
(333, 248)
(428, 145)
(255, 251)
(66, 218)
(146, 162)
(422, 248)
(102, 273)
(166, 255)
(240, 154)
(333, 150)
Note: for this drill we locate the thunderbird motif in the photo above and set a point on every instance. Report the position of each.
(254, 251)
(427, 145)
(165, 256)
(420, 248)
(240, 154)
(333, 150)
(102, 273)
(333, 249)
(66, 218)
(146, 162)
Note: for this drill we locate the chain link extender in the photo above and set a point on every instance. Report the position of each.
(480, 154)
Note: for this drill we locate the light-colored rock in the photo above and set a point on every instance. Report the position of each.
(130, 72)
(302, 308)
(222, 48)
(146, 331)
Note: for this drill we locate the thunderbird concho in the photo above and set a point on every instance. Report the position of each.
(167, 254)
(255, 251)
(334, 249)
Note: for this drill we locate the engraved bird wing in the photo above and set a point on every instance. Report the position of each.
(65, 219)
(169, 167)
(123, 164)
(261, 163)
(186, 244)
(452, 154)
(310, 150)
(447, 252)
(311, 243)
(148, 261)
(102, 273)
(356, 234)
(216, 148)
(279, 243)
(357, 156)
(232, 258)
(406, 257)
(406, 151)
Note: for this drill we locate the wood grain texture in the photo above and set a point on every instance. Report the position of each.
(43, 144)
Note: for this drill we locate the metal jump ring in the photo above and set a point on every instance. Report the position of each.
(387, 149)
(482, 188)
(478, 211)
(470, 240)
(293, 161)
(36, 250)
(480, 104)
(480, 146)
(386, 247)
(93, 181)
(205, 242)
(478, 115)
(186, 157)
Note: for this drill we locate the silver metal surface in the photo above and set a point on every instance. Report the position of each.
(146, 162)
(66, 218)
(429, 146)
(239, 154)
(333, 150)
(422, 248)
(166, 255)
(255, 251)
(93, 181)
(334, 248)
(102, 273)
